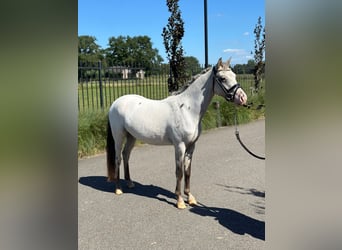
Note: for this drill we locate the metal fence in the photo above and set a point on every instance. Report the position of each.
(99, 86)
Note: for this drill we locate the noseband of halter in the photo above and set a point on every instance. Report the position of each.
(229, 93)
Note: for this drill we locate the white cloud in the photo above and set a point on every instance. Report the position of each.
(246, 33)
(235, 51)
(239, 56)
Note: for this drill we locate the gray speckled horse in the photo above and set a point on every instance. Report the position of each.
(175, 120)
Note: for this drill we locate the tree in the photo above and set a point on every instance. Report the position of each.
(245, 68)
(250, 66)
(88, 50)
(192, 66)
(136, 50)
(172, 35)
(259, 53)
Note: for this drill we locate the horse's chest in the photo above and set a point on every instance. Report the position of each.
(192, 137)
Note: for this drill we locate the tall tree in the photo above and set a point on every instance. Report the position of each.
(259, 53)
(172, 35)
(88, 50)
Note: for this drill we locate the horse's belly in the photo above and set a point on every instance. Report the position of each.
(155, 140)
(149, 135)
(149, 128)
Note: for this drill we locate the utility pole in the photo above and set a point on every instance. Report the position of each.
(205, 35)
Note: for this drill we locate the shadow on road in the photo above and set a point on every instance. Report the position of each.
(100, 183)
(258, 205)
(241, 190)
(234, 221)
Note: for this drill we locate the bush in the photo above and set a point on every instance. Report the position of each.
(92, 129)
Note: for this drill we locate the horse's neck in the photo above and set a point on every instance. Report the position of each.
(200, 93)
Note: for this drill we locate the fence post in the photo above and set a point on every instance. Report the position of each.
(100, 85)
(218, 114)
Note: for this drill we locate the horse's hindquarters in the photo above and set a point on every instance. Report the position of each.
(146, 120)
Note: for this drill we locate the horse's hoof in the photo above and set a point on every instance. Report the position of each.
(118, 191)
(192, 201)
(130, 184)
(181, 205)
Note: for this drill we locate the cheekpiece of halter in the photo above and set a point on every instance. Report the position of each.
(229, 93)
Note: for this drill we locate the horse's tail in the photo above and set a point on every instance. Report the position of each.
(110, 148)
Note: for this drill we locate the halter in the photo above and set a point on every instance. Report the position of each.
(229, 96)
(229, 93)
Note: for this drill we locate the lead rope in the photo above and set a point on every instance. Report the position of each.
(238, 138)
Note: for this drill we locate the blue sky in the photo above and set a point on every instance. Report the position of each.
(230, 24)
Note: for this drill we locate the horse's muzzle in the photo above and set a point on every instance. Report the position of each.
(241, 97)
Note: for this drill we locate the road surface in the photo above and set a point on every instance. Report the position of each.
(227, 182)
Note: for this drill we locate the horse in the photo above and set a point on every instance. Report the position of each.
(175, 120)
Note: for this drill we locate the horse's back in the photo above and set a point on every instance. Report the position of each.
(127, 105)
(146, 119)
(125, 102)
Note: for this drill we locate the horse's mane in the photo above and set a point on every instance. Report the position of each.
(194, 78)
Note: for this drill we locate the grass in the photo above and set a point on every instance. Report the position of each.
(92, 126)
(92, 129)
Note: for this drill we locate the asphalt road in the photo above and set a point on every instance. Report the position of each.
(227, 182)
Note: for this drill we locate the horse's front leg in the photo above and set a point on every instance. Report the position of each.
(187, 170)
(180, 153)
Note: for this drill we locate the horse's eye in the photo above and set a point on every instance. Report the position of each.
(223, 79)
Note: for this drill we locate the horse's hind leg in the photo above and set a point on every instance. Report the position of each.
(130, 141)
(179, 152)
(187, 171)
(118, 148)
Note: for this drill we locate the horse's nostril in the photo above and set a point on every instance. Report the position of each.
(243, 99)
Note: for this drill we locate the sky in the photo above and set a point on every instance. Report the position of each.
(230, 25)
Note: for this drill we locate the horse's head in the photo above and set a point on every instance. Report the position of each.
(225, 83)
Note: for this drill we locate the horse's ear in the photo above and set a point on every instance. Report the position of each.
(219, 63)
(228, 61)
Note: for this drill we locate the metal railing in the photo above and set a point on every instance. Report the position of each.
(99, 86)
